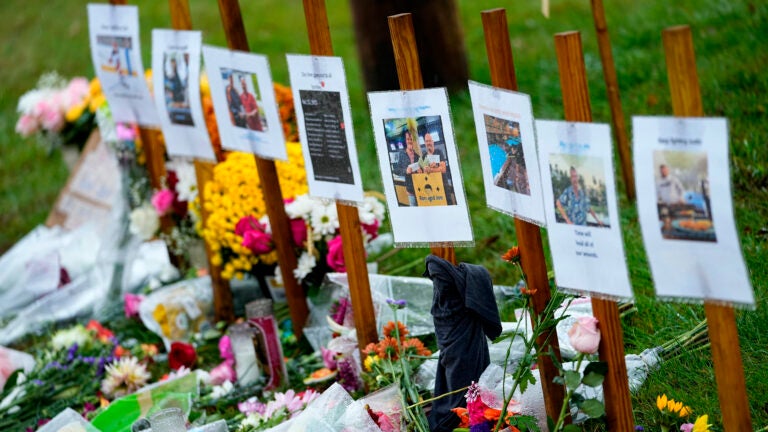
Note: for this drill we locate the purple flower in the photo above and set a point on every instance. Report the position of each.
(71, 352)
(339, 311)
(639, 428)
(400, 304)
(347, 376)
(251, 406)
(329, 358)
(38, 382)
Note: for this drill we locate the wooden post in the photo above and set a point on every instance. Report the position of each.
(273, 197)
(349, 219)
(723, 334)
(223, 305)
(612, 87)
(573, 83)
(409, 74)
(532, 258)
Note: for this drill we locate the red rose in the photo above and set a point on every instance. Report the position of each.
(335, 257)
(299, 231)
(182, 354)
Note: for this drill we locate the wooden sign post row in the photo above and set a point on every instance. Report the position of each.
(409, 74)
(723, 334)
(573, 83)
(349, 219)
(532, 258)
(223, 305)
(232, 21)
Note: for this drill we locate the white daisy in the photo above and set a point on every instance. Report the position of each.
(304, 267)
(300, 207)
(324, 220)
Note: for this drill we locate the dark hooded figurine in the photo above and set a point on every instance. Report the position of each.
(464, 311)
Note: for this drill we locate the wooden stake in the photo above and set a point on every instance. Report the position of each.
(223, 305)
(612, 86)
(409, 74)
(723, 334)
(273, 197)
(349, 219)
(573, 83)
(532, 258)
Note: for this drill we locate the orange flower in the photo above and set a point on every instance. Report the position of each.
(524, 289)
(102, 334)
(370, 349)
(120, 351)
(415, 346)
(463, 417)
(512, 255)
(492, 414)
(389, 330)
(387, 348)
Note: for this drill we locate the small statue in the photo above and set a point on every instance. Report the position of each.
(464, 312)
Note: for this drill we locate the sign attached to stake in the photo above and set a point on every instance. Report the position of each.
(686, 211)
(176, 78)
(504, 123)
(580, 204)
(325, 126)
(116, 54)
(244, 102)
(420, 167)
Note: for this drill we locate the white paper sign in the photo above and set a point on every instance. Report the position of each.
(427, 206)
(686, 211)
(244, 102)
(324, 119)
(116, 54)
(176, 80)
(580, 203)
(505, 136)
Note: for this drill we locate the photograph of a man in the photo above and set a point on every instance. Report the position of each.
(580, 192)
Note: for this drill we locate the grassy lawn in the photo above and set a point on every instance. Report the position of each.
(730, 41)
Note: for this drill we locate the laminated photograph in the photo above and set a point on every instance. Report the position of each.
(244, 102)
(176, 80)
(420, 167)
(507, 143)
(580, 204)
(686, 212)
(324, 120)
(116, 54)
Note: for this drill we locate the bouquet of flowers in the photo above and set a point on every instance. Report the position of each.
(60, 111)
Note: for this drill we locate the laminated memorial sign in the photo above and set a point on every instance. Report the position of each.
(116, 54)
(324, 119)
(686, 211)
(244, 102)
(580, 204)
(420, 167)
(505, 136)
(176, 80)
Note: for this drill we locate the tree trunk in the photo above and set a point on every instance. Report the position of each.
(439, 38)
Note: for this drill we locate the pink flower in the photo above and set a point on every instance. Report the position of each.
(258, 242)
(299, 231)
(27, 125)
(76, 90)
(132, 303)
(162, 201)
(329, 358)
(50, 116)
(372, 229)
(247, 223)
(225, 348)
(289, 400)
(687, 427)
(584, 335)
(335, 257)
(251, 406)
(308, 396)
(223, 372)
(125, 133)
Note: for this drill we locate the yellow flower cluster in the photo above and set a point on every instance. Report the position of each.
(672, 407)
(235, 192)
(93, 101)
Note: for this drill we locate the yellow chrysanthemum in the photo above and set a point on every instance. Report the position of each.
(700, 425)
(685, 412)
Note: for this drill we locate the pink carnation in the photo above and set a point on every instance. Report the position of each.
(335, 257)
(223, 372)
(257, 241)
(76, 90)
(225, 348)
(51, 118)
(162, 201)
(132, 304)
(27, 125)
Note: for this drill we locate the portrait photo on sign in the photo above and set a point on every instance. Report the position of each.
(245, 105)
(506, 154)
(580, 190)
(114, 54)
(176, 87)
(418, 161)
(682, 195)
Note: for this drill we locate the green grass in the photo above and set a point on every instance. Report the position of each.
(729, 38)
